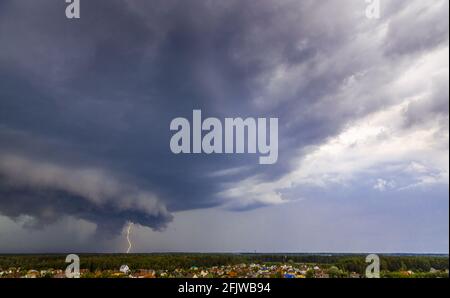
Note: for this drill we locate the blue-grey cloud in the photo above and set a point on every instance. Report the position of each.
(96, 95)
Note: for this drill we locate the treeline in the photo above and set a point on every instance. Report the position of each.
(396, 263)
(356, 263)
(95, 262)
(348, 263)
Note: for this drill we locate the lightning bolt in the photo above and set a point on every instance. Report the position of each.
(128, 237)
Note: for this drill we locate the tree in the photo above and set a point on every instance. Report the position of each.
(309, 273)
(335, 272)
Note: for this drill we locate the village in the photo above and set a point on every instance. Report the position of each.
(228, 271)
(219, 266)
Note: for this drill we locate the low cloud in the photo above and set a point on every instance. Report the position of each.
(47, 191)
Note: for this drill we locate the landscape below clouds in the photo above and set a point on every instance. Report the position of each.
(363, 109)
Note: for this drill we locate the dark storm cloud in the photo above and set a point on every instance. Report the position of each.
(99, 93)
(45, 191)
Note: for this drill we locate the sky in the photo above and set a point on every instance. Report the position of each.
(86, 106)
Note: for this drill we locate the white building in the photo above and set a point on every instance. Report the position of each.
(124, 269)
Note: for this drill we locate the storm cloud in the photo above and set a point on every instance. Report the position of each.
(85, 105)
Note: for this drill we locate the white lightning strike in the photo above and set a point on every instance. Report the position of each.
(128, 237)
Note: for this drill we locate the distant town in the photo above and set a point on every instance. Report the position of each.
(222, 266)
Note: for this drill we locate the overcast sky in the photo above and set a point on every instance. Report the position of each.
(86, 104)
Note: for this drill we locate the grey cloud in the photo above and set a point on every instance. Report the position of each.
(418, 28)
(100, 93)
(434, 106)
(47, 191)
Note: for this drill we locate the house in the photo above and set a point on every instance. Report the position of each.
(204, 273)
(144, 273)
(59, 274)
(32, 274)
(321, 274)
(355, 275)
(124, 269)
